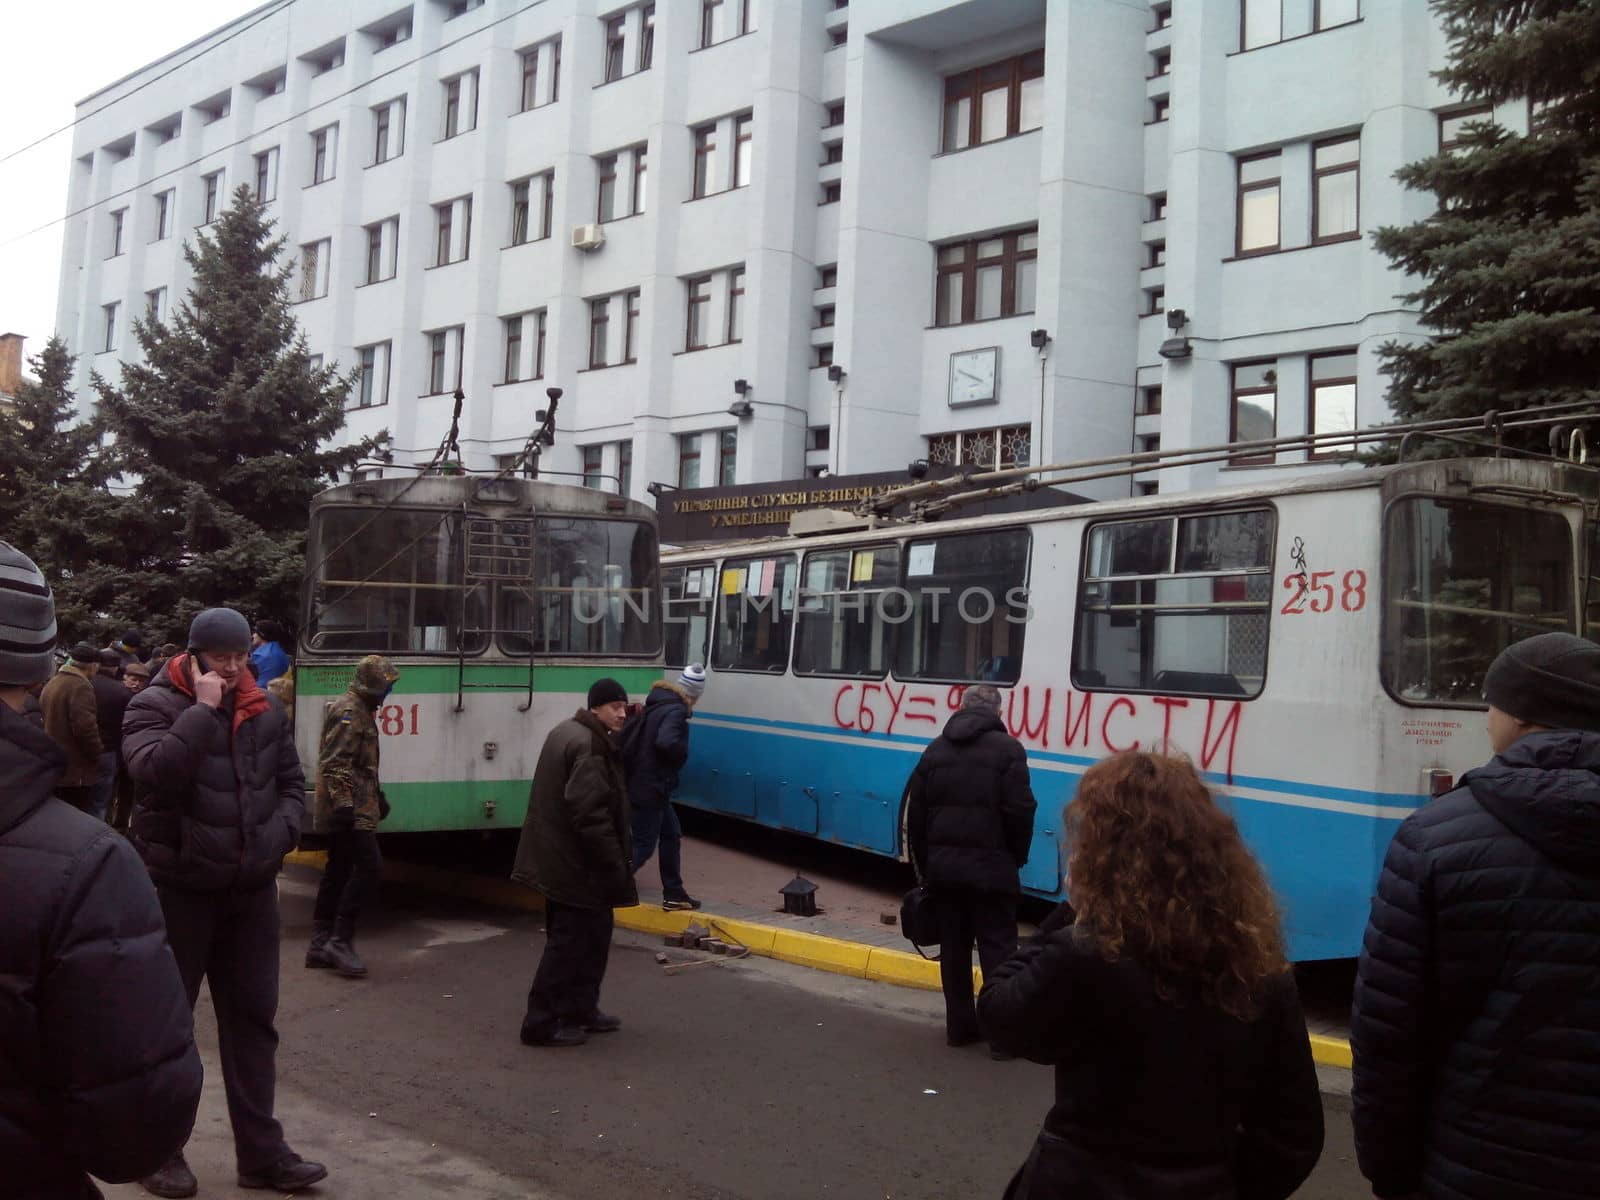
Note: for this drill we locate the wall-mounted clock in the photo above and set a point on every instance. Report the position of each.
(974, 376)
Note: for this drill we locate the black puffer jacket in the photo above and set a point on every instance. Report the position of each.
(654, 745)
(1154, 1098)
(1476, 1028)
(221, 794)
(969, 806)
(98, 1068)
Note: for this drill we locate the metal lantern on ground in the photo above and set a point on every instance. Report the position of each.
(799, 897)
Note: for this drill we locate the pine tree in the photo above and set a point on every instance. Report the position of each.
(1510, 262)
(224, 432)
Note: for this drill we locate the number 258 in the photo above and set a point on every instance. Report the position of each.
(1316, 592)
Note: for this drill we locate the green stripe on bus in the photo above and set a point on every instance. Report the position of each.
(456, 804)
(424, 679)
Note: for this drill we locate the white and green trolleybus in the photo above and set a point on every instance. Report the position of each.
(500, 599)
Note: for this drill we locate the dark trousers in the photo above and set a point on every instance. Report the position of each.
(653, 827)
(566, 987)
(105, 785)
(81, 798)
(230, 939)
(990, 918)
(348, 882)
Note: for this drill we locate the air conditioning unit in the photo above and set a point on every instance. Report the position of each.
(588, 237)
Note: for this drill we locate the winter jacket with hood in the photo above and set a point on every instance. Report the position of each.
(970, 807)
(220, 792)
(1476, 1028)
(655, 745)
(577, 845)
(98, 1068)
(71, 718)
(347, 756)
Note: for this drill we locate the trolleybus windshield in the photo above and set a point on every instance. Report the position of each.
(594, 590)
(1463, 580)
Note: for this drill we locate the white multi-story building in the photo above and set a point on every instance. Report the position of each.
(756, 239)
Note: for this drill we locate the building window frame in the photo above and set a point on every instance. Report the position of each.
(383, 251)
(1238, 392)
(439, 341)
(963, 272)
(266, 163)
(388, 130)
(370, 360)
(615, 48)
(1244, 188)
(630, 326)
(696, 333)
(109, 313)
(324, 154)
(705, 160)
(727, 456)
(688, 460)
(743, 149)
(213, 195)
(734, 324)
(1006, 82)
(599, 323)
(1320, 174)
(1460, 117)
(605, 204)
(1315, 385)
(529, 95)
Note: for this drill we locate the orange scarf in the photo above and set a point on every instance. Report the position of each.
(248, 699)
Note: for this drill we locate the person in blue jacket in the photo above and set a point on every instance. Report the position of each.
(268, 658)
(654, 746)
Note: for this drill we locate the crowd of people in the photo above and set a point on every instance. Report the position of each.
(1161, 996)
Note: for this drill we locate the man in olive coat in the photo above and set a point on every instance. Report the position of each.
(70, 717)
(577, 850)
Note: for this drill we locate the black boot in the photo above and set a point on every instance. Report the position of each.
(317, 951)
(175, 1180)
(342, 957)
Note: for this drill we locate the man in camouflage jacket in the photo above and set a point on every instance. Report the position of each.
(349, 806)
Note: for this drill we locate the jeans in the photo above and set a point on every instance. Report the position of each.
(348, 882)
(990, 919)
(106, 785)
(566, 987)
(660, 825)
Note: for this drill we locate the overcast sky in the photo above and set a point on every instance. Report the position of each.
(57, 52)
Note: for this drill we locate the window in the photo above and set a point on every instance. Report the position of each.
(727, 456)
(838, 37)
(118, 220)
(526, 223)
(1333, 400)
(444, 359)
(625, 472)
(756, 614)
(1161, 63)
(548, 205)
(993, 102)
(705, 160)
(986, 277)
(736, 305)
(689, 593)
(828, 276)
(818, 437)
(1147, 443)
(330, 59)
(1332, 13)
(163, 215)
(213, 184)
(599, 321)
(520, 199)
(1148, 487)
(613, 202)
(155, 305)
(541, 74)
(1160, 107)
(825, 316)
(1463, 580)
(389, 130)
(832, 152)
(460, 104)
(647, 53)
(831, 193)
(324, 152)
(383, 250)
(392, 33)
(1155, 301)
(1162, 14)
(1452, 125)
(1007, 446)
(1156, 254)
(640, 177)
(1158, 207)
(1335, 189)
(524, 346)
(723, 19)
(512, 327)
(688, 460)
(460, 8)
(835, 115)
(215, 110)
(109, 313)
(847, 612)
(1254, 412)
(267, 175)
(614, 48)
(606, 201)
(1258, 204)
(372, 387)
(699, 303)
(630, 327)
(822, 356)
(316, 261)
(1149, 403)
(1176, 605)
(452, 231)
(592, 475)
(1260, 23)
(969, 608)
(743, 149)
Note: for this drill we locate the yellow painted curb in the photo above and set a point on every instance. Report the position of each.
(899, 967)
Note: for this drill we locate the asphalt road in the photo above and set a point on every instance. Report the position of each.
(752, 1079)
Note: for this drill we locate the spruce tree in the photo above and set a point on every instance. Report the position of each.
(1510, 263)
(223, 432)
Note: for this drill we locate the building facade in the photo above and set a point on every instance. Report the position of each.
(754, 240)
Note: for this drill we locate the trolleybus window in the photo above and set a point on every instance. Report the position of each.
(1176, 605)
(756, 614)
(689, 593)
(846, 614)
(969, 608)
(392, 583)
(1463, 580)
(593, 590)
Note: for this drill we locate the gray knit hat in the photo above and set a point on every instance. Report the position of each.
(1552, 680)
(27, 620)
(219, 629)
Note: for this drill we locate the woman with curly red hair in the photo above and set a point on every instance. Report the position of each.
(1167, 1009)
